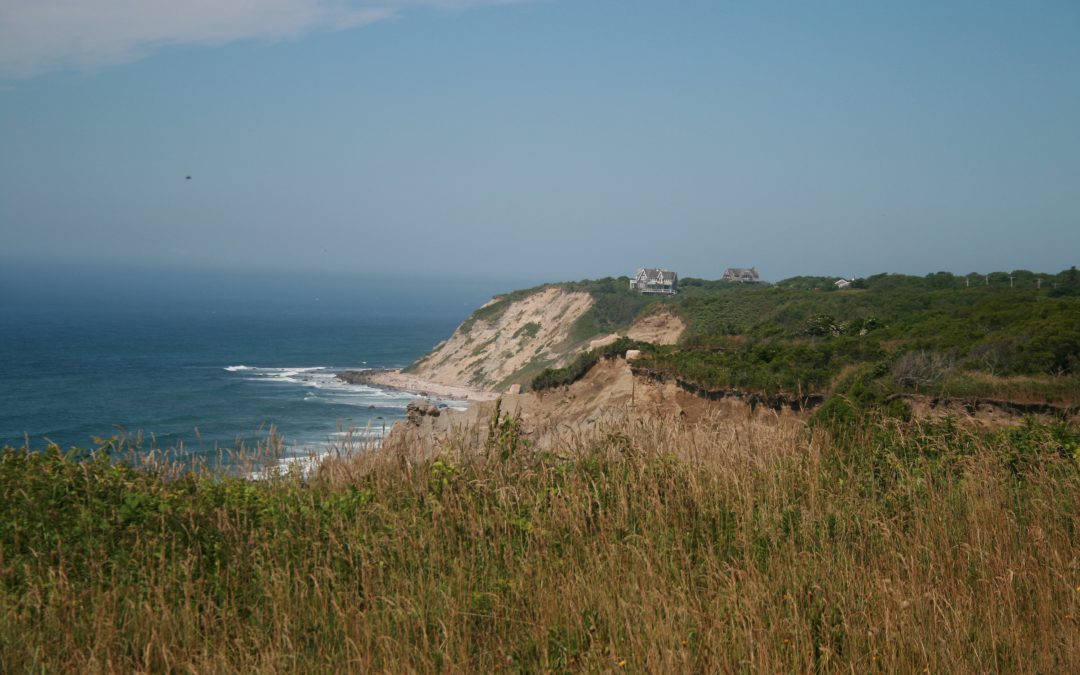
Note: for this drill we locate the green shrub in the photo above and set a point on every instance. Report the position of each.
(551, 378)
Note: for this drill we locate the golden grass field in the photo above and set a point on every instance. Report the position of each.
(646, 545)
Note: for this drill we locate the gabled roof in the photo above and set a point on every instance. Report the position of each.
(655, 274)
(742, 272)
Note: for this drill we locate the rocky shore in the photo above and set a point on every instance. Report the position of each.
(399, 381)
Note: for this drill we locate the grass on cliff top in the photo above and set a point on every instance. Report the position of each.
(801, 333)
(614, 308)
(1053, 390)
(550, 378)
(940, 335)
(646, 546)
(494, 310)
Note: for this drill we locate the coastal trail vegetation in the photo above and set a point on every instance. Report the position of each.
(1013, 337)
(646, 545)
(990, 336)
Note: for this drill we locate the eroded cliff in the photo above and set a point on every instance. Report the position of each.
(508, 340)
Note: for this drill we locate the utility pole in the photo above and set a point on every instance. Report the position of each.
(1010, 281)
(1038, 284)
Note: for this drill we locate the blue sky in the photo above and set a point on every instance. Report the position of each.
(540, 140)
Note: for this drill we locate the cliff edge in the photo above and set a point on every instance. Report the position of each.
(514, 337)
(508, 340)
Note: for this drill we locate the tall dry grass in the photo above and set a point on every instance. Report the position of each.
(643, 546)
(1062, 390)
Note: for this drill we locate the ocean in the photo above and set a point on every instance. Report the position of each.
(203, 379)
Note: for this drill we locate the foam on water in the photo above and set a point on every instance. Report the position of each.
(330, 388)
(205, 381)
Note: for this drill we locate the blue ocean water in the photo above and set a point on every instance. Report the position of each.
(205, 379)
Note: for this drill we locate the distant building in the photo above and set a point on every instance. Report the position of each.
(742, 275)
(843, 283)
(654, 280)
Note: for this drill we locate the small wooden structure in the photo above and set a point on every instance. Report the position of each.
(655, 280)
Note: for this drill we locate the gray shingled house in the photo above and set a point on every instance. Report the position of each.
(655, 280)
(742, 275)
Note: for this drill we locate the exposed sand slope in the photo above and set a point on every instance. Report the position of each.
(609, 392)
(486, 354)
(661, 328)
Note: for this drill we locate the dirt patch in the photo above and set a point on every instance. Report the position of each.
(603, 341)
(610, 392)
(661, 328)
(988, 413)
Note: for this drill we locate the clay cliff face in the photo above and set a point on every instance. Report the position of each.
(511, 339)
(607, 394)
(661, 328)
(493, 350)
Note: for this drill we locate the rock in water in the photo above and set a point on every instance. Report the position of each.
(418, 409)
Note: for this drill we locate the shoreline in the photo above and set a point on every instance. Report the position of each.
(395, 380)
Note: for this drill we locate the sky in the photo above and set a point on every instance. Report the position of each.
(537, 140)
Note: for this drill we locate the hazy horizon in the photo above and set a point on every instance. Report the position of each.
(87, 290)
(480, 143)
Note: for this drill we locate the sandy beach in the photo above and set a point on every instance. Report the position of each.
(399, 381)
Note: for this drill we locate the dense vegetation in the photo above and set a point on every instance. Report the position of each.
(550, 378)
(646, 547)
(1011, 335)
(940, 335)
(614, 307)
(943, 335)
(864, 541)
